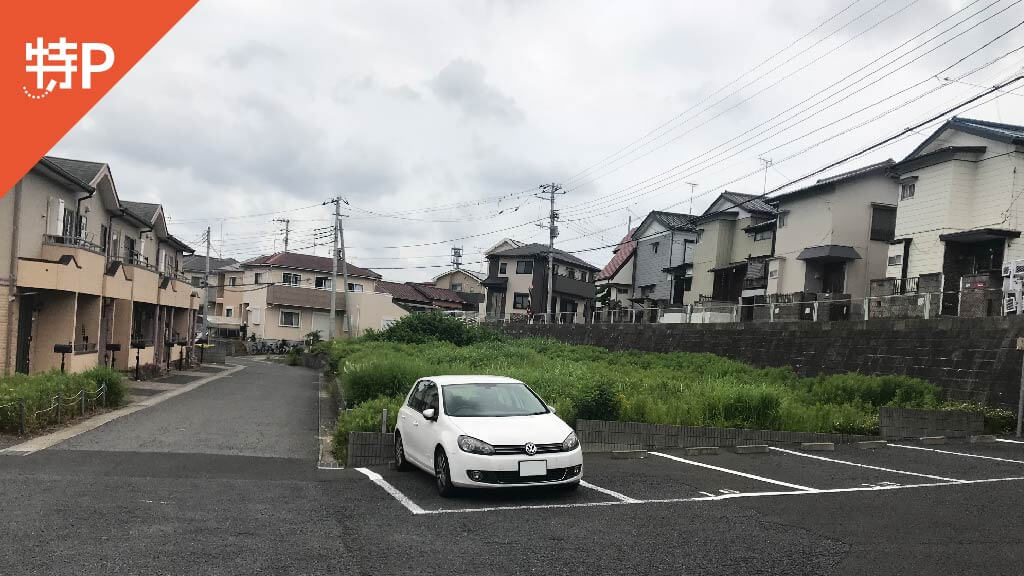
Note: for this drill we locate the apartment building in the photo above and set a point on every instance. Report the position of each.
(663, 259)
(832, 237)
(517, 283)
(959, 215)
(286, 295)
(735, 239)
(82, 268)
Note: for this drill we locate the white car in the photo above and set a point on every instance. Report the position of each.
(484, 432)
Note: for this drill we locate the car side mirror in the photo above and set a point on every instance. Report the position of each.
(430, 414)
(551, 408)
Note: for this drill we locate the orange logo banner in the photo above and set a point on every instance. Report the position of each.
(58, 58)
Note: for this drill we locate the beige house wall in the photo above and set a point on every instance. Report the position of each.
(522, 283)
(469, 283)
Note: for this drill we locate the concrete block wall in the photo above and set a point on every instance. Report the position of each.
(370, 448)
(897, 423)
(970, 358)
(602, 436)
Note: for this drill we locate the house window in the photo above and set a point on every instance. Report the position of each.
(233, 281)
(323, 283)
(763, 235)
(896, 260)
(290, 318)
(524, 266)
(700, 234)
(197, 281)
(773, 273)
(355, 287)
(503, 268)
(229, 312)
(780, 221)
(646, 291)
(456, 287)
(103, 237)
(907, 190)
(521, 301)
(654, 247)
(129, 249)
(257, 277)
(290, 279)
(883, 223)
(571, 273)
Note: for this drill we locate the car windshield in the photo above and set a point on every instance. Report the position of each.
(483, 400)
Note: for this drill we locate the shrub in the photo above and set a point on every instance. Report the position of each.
(294, 356)
(597, 401)
(149, 371)
(363, 418)
(364, 381)
(424, 327)
(114, 381)
(997, 420)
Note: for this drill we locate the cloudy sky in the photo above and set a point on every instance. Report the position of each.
(436, 121)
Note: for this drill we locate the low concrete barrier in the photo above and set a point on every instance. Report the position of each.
(370, 448)
(898, 423)
(603, 436)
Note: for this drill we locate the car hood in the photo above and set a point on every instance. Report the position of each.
(514, 430)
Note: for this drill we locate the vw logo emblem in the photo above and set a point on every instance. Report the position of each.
(530, 448)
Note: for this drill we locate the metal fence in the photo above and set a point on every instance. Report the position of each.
(60, 409)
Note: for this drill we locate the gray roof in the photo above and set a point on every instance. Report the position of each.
(143, 210)
(197, 263)
(823, 184)
(674, 220)
(1011, 133)
(749, 202)
(81, 169)
(829, 252)
(542, 250)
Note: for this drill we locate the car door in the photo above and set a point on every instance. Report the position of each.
(410, 420)
(425, 430)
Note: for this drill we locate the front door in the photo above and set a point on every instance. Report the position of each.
(21, 363)
(833, 277)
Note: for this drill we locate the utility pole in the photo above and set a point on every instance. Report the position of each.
(551, 190)
(693, 189)
(344, 274)
(339, 231)
(767, 163)
(287, 227)
(206, 292)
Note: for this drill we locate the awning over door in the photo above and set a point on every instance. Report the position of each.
(829, 253)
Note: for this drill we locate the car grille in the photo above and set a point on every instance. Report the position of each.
(518, 449)
(513, 477)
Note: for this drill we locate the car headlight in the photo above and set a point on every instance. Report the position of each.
(570, 443)
(474, 446)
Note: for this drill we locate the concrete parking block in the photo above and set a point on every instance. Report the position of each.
(752, 449)
(818, 446)
(933, 440)
(871, 444)
(702, 451)
(628, 454)
(981, 438)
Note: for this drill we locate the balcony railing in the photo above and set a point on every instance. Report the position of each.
(138, 260)
(753, 283)
(78, 242)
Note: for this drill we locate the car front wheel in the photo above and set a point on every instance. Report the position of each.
(400, 462)
(443, 475)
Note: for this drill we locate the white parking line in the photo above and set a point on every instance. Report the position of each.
(894, 471)
(612, 493)
(402, 498)
(1010, 441)
(965, 454)
(736, 472)
(723, 496)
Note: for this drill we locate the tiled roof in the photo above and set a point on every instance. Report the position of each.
(441, 294)
(749, 202)
(403, 292)
(542, 250)
(996, 130)
(307, 262)
(81, 169)
(673, 220)
(198, 263)
(856, 172)
(623, 253)
(145, 211)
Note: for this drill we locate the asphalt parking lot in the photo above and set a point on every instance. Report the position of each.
(662, 478)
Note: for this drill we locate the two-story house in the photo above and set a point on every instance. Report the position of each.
(517, 284)
(287, 295)
(832, 237)
(735, 239)
(459, 280)
(82, 268)
(616, 278)
(960, 215)
(663, 259)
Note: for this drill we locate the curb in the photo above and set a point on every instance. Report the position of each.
(872, 444)
(928, 440)
(629, 454)
(981, 438)
(818, 446)
(702, 451)
(752, 449)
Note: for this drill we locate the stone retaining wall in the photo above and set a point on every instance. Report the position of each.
(602, 436)
(898, 423)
